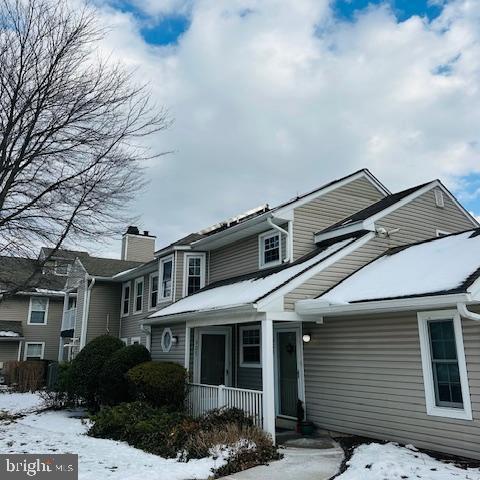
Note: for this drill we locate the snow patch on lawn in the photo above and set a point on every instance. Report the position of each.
(17, 403)
(59, 432)
(390, 461)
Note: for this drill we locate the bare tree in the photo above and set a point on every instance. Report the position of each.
(71, 129)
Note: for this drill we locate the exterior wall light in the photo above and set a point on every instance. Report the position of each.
(174, 340)
(306, 338)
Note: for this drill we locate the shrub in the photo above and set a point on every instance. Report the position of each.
(114, 387)
(221, 417)
(87, 365)
(159, 383)
(62, 393)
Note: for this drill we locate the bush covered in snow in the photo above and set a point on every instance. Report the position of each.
(159, 383)
(114, 387)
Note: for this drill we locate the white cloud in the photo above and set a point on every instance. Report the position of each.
(273, 97)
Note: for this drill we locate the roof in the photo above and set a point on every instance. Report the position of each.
(187, 240)
(249, 289)
(439, 266)
(63, 253)
(375, 208)
(10, 330)
(106, 267)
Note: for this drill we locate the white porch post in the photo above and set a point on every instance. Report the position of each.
(187, 348)
(268, 378)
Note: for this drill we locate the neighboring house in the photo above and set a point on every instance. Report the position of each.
(30, 319)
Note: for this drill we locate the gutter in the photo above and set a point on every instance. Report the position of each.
(86, 308)
(288, 256)
(466, 313)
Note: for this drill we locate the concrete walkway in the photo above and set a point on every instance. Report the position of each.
(299, 463)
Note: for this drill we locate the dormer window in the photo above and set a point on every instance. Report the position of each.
(269, 249)
(194, 274)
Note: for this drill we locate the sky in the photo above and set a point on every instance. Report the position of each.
(270, 98)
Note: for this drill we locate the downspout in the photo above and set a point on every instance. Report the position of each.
(147, 330)
(466, 313)
(86, 307)
(288, 256)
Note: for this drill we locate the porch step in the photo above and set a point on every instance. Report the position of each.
(320, 443)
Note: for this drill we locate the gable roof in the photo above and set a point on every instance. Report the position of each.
(249, 289)
(62, 253)
(439, 266)
(106, 267)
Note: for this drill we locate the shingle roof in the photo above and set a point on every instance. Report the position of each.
(66, 254)
(106, 267)
(373, 209)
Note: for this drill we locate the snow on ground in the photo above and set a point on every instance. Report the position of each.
(101, 459)
(392, 462)
(17, 403)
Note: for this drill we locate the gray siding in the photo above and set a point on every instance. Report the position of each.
(8, 350)
(329, 209)
(177, 352)
(363, 375)
(178, 265)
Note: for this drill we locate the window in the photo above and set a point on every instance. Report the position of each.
(250, 349)
(166, 275)
(135, 341)
(167, 340)
(34, 351)
(61, 268)
(442, 233)
(443, 362)
(138, 299)
(439, 202)
(269, 249)
(194, 275)
(153, 299)
(126, 299)
(38, 311)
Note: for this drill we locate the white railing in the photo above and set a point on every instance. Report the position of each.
(68, 320)
(202, 398)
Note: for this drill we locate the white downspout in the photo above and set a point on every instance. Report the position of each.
(147, 330)
(288, 256)
(86, 307)
(466, 313)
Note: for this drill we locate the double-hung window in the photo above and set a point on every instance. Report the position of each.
(250, 347)
(194, 277)
(34, 351)
(269, 247)
(138, 296)
(125, 299)
(38, 311)
(166, 276)
(444, 367)
(153, 298)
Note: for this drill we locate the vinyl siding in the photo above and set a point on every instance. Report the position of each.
(178, 266)
(363, 375)
(138, 248)
(177, 352)
(8, 351)
(329, 209)
(238, 258)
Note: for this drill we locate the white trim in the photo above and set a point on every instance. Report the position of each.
(124, 340)
(197, 358)
(161, 298)
(186, 257)
(261, 248)
(124, 287)
(367, 225)
(34, 343)
(243, 364)
(188, 332)
(166, 348)
(464, 413)
(136, 282)
(150, 291)
(30, 310)
(268, 377)
(135, 340)
(441, 233)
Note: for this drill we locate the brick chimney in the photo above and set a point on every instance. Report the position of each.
(137, 246)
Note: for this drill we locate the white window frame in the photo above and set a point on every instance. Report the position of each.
(240, 333)
(261, 249)
(34, 343)
(439, 199)
(150, 291)
(30, 310)
(124, 340)
(464, 413)
(440, 233)
(167, 298)
(186, 258)
(135, 340)
(124, 287)
(138, 281)
(166, 348)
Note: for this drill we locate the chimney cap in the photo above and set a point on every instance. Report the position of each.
(133, 230)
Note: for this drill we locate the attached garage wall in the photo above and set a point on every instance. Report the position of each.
(363, 376)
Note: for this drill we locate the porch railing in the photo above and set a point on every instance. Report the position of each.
(68, 320)
(203, 398)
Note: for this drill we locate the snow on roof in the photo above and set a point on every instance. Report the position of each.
(246, 291)
(8, 333)
(438, 266)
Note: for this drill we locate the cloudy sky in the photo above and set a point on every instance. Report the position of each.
(271, 98)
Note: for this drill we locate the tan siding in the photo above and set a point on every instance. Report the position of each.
(138, 248)
(81, 290)
(8, 351)
(419, 219)
(178, 266)
(177, 352)
(329, 277)
(363, 375)
(329, 209)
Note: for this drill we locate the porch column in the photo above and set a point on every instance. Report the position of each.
(187, 350)
(268, 378)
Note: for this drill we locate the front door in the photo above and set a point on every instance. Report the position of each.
(213, 357)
